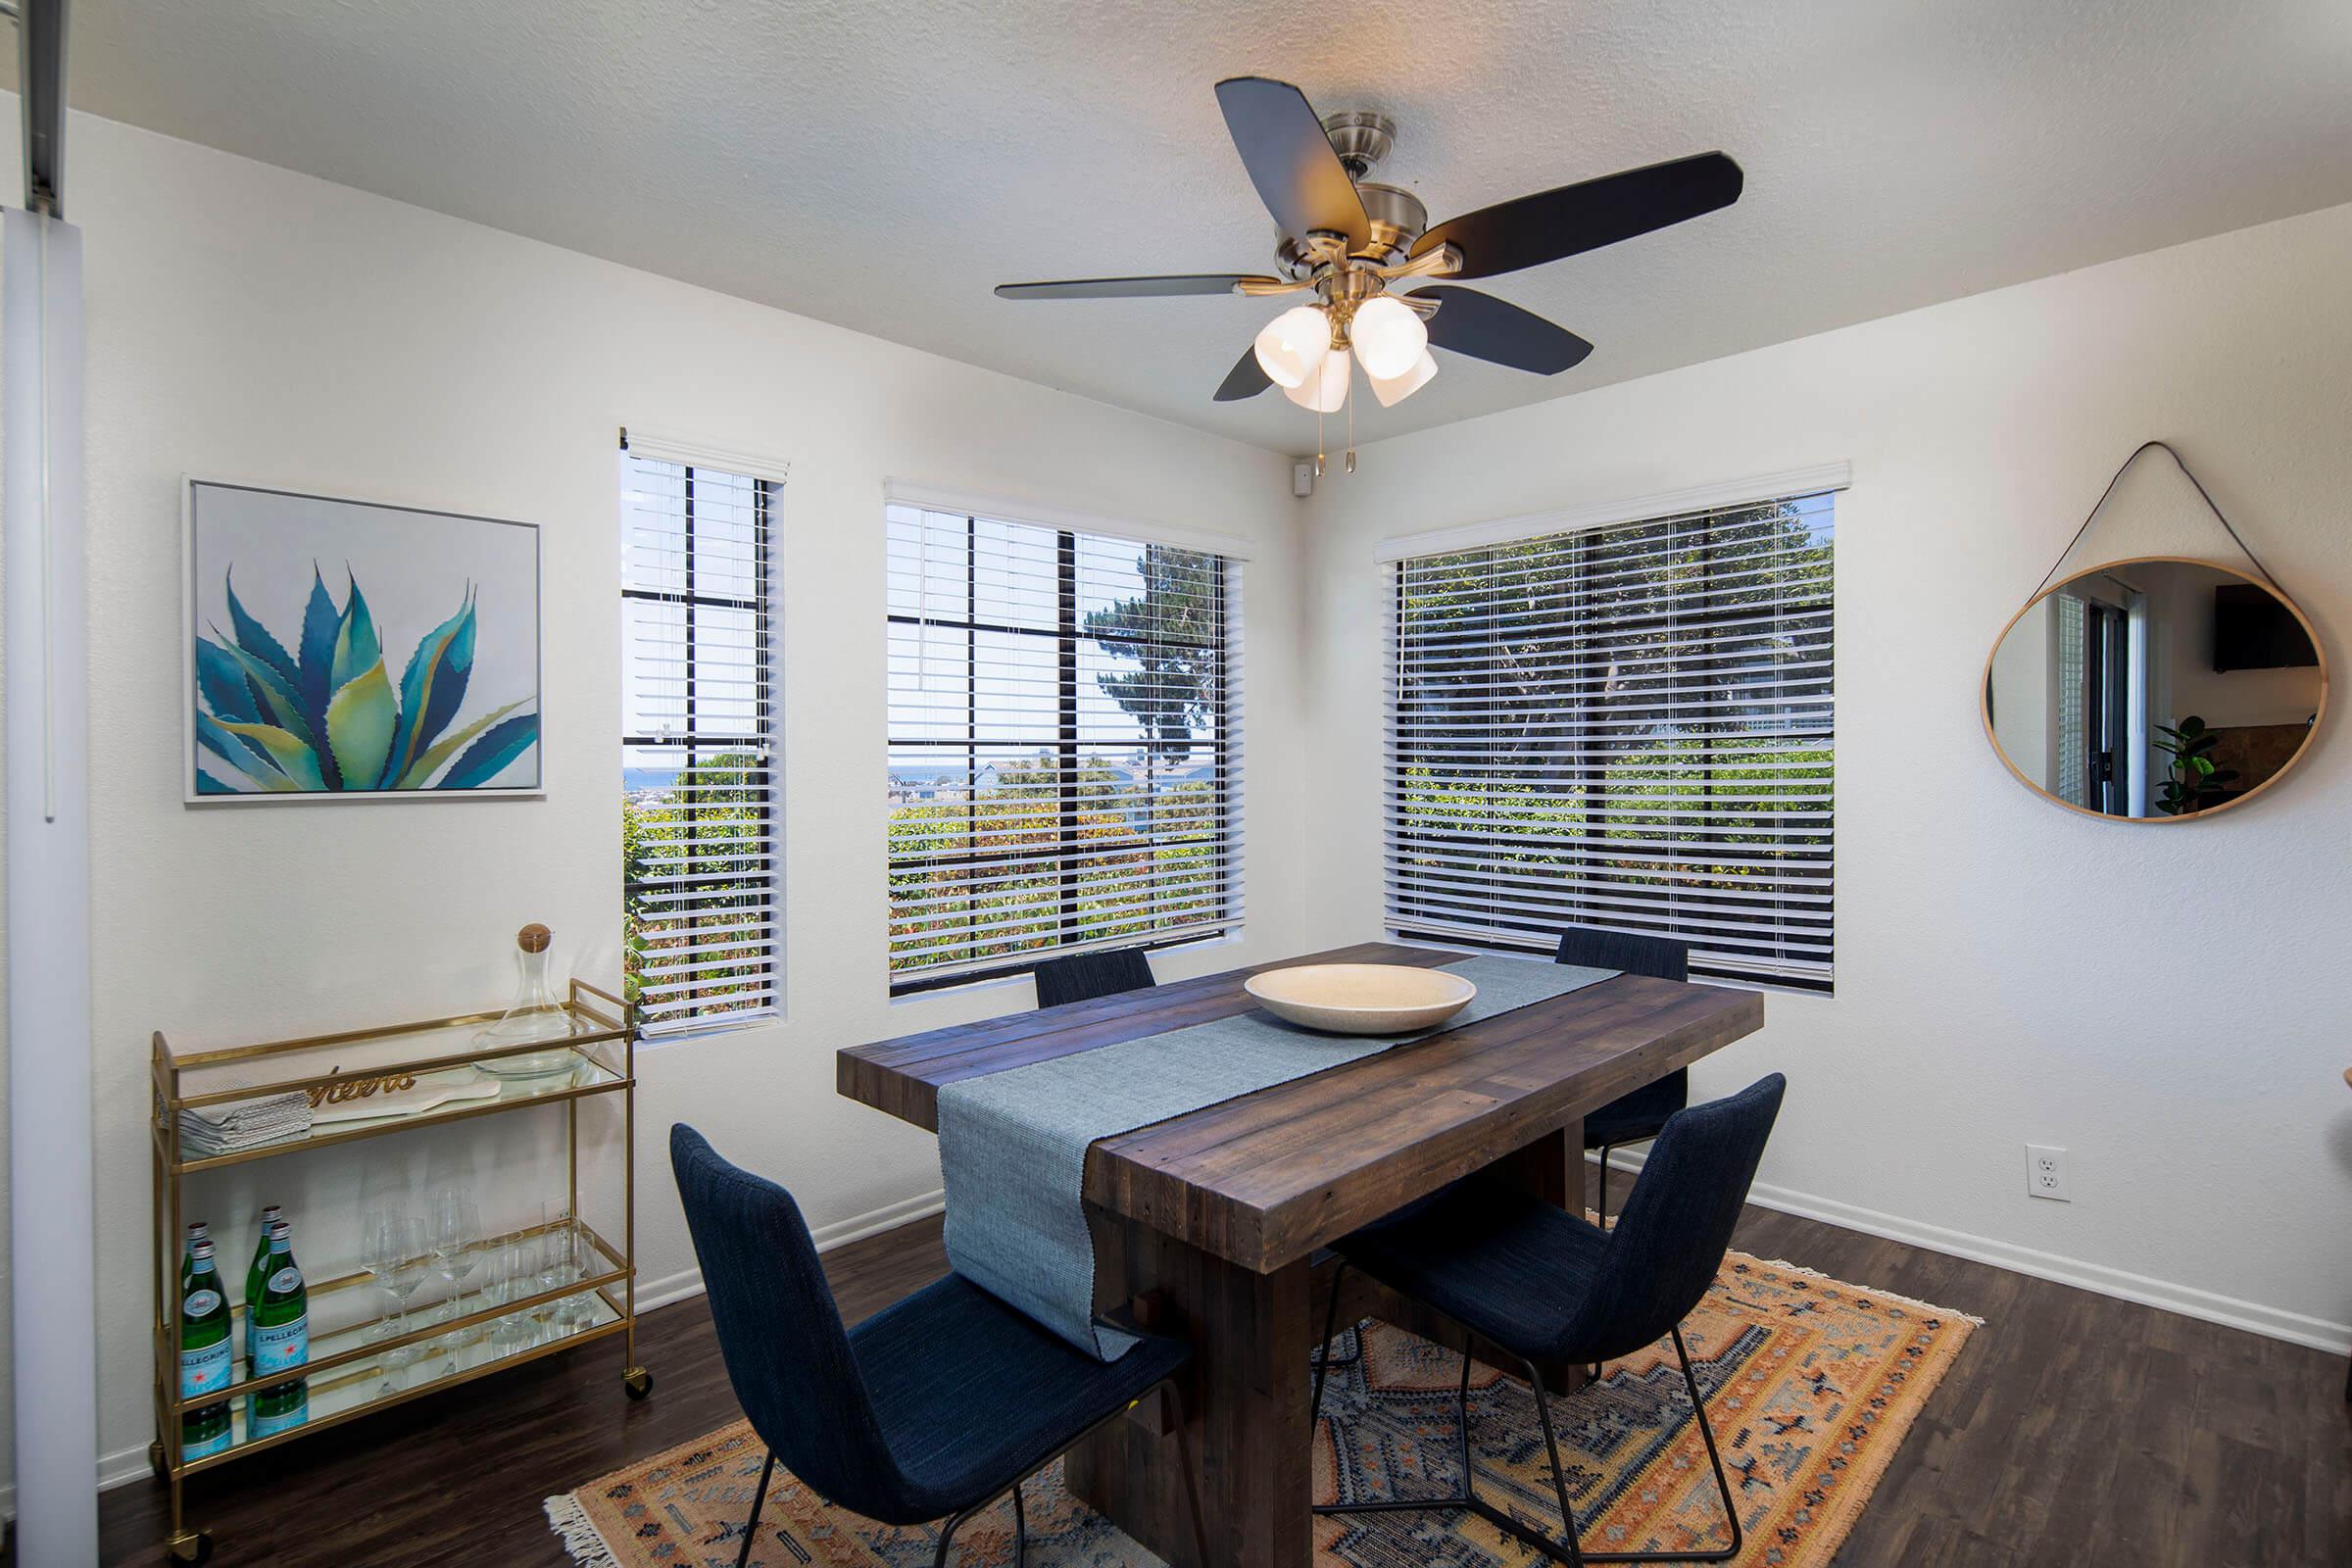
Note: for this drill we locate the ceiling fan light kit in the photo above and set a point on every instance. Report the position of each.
(1389, 337)
(1345, 240)
(1396, 389)
(1294, 344)
(1326, 390)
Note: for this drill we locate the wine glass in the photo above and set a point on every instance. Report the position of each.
(555, 1256)
(579, 1308)
(393, 1253)
(456, 1238)
(509, 1275)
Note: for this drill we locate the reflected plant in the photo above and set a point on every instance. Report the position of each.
(327, 719)
(2193, 780)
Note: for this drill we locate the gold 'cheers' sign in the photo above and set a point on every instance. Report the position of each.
(343, 1090)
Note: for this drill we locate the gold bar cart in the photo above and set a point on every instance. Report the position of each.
(345, 1370)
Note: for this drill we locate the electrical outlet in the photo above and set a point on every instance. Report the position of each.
(2045, 1173)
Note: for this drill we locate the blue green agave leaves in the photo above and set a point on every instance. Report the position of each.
(329, 719)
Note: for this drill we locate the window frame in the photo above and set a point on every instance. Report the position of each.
(1068, 635)
(764, 744)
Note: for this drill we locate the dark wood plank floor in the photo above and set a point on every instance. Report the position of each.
(2075, 1430)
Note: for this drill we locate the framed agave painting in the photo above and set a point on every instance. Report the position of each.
(343, 648)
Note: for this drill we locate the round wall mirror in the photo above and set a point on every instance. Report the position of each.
(2159, 690)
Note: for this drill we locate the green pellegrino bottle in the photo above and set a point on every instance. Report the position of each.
(198, 1231)
(279, 1338)
(204, 1357)
(257, 1274)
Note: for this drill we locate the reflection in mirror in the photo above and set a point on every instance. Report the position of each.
(2160, 689)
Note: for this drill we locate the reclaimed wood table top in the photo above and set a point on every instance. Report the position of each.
(1263, 1179)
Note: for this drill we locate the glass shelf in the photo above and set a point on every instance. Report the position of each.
(585, 1076)
(356, 1336)
(328, 1067)
(358, 1387)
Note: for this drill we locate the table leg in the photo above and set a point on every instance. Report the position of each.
(1247, 1407)
(1552, 1167)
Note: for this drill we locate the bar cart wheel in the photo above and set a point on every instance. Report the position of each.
(190, 1546)
(638, 1382)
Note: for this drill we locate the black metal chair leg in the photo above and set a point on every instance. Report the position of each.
(1570, 1551)
(1723, 1485)
(1355, 1353)
(751, 1526)
(1331, 1319)
(1601, 1208)
(1559, 1476)
(1020, 1530)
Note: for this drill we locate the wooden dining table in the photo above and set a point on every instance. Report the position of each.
(1212, 1225)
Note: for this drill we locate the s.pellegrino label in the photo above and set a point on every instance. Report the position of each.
(204, 1357)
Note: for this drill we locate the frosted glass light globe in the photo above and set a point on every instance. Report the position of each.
(1327, 392)
(1397, 388)
(1294, 344)
(1389, 337)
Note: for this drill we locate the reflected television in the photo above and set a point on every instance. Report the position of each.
(2253, 630)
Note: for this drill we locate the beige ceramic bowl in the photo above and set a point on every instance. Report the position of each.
(1361, 998)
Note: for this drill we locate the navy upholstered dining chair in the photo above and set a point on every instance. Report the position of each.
(1084, 976)
(932, 1408)
(1634, 1117)
(1542, 1283)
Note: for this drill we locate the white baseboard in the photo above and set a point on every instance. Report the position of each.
(125, 1465)
(688, 1283)
(2272, 1322)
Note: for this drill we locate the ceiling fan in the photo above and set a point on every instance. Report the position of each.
(1345, 240)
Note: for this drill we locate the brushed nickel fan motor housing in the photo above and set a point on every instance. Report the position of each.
(1361, 138)
(1364, 140)
(1397, 216)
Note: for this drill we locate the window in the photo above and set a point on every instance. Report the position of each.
(1064, 765)
(1627, 728)
(700, 858)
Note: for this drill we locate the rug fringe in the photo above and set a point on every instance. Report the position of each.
(582, 1542)
(1871, 1290)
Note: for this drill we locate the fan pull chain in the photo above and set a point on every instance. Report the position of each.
(1351, 421)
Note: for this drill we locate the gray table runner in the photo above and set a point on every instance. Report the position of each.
(1013, 1144)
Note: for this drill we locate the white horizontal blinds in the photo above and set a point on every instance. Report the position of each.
(1064, 742)
(1629, 727)
(701, 851)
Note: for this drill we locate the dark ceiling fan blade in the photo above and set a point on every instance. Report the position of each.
(1487, 329)
(1289, 160)
(1575, 218)
(1125, 289)
(1246, 379)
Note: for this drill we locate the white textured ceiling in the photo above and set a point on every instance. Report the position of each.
(880, 164)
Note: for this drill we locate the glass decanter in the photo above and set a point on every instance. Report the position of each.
(535, 1016)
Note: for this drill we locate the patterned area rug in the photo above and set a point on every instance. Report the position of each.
(1810, 1383)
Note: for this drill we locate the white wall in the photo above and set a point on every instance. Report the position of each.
(247, 322)
(2008, 971)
